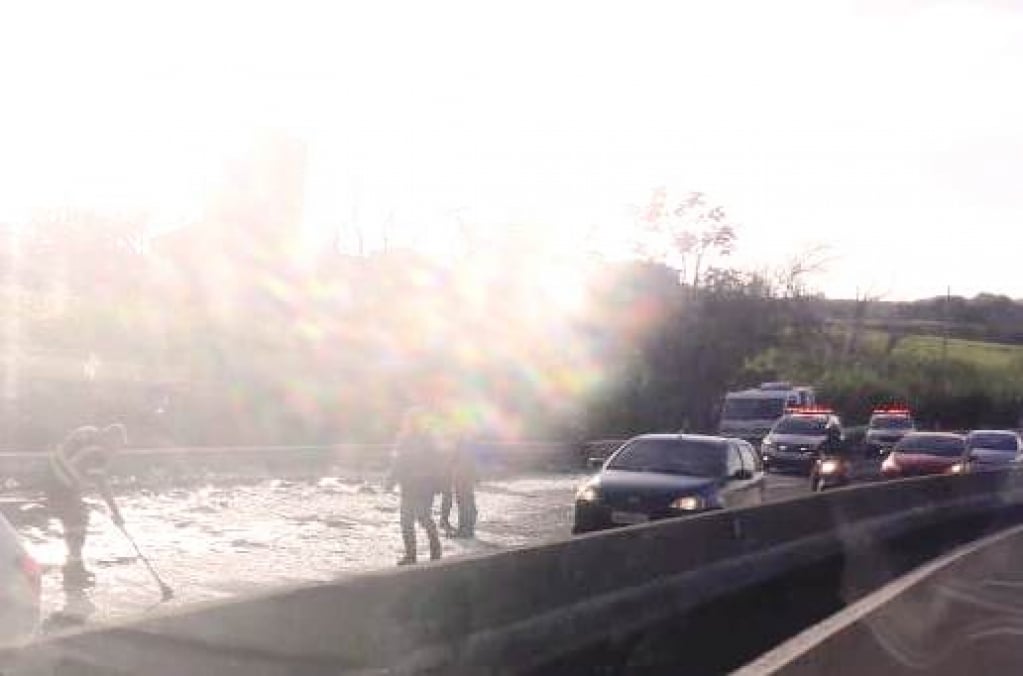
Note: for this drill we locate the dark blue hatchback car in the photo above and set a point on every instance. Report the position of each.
(657, 476)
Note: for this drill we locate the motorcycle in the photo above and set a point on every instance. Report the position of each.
(830, 471)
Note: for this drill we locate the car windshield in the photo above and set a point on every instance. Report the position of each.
(993, 441)
(377, 283)
(798, 424)
(672, 456)
(753, 408)
(891, 422)
(929, 444)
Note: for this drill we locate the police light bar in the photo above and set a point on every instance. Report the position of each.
(809, 410)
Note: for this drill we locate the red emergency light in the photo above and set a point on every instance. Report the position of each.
(809, 410)
(892, 410)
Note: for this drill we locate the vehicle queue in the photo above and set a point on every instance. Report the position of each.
(658, 476)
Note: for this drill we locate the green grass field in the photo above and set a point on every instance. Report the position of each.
(980, 384)
(984, 355)
(990, 357)
(979, 353)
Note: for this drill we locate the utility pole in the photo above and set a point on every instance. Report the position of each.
(944, 338)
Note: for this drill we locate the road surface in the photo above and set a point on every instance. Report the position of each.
(216, 541)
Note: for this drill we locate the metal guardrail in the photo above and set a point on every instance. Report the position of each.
(552, 608)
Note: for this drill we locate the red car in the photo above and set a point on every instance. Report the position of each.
(925, 453)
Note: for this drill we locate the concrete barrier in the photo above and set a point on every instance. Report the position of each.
(534, 610)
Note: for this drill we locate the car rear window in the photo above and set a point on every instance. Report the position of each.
(891, 422)
(931, 445)
(753, 409)
(801, 424)
(672, 456)
(993, 442)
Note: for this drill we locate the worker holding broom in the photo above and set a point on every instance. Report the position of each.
(78, 464)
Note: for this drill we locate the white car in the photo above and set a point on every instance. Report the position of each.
(20, 578)
(992, 449)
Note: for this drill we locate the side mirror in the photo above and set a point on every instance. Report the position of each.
(595, 463)
(742, 475)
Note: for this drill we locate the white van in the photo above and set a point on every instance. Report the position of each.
(750, 414)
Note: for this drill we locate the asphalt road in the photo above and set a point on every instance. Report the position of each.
(216, 541)
(783, 486)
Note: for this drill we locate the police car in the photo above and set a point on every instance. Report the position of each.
(798, 439)
(886, 428)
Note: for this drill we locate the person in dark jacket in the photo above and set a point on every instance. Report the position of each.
(460, 489)
(78, 464)
(833, 441)
(416, 467)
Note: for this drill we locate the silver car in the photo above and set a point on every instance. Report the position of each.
(20, 577)
(992, 449)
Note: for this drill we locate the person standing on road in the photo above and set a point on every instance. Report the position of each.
(417, 468)
(77, 465)
(460, 488)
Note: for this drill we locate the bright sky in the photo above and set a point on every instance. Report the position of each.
(892, 130)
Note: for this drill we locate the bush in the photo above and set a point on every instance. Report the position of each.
(952, 395)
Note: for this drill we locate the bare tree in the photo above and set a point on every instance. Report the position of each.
(687, 236)
(792, 277)
(469, 232)
(707, 232)
(861, 307)
(85, 251)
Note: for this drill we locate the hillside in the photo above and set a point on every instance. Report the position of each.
(986, 355)
(986, 317)
(962, 384)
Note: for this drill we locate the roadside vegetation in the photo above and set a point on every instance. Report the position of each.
(953, 384)
(227, 334)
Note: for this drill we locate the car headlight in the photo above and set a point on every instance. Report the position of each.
(956, 468)
(689, 503)
(889, 463)
(588, 493)
(829, 467)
